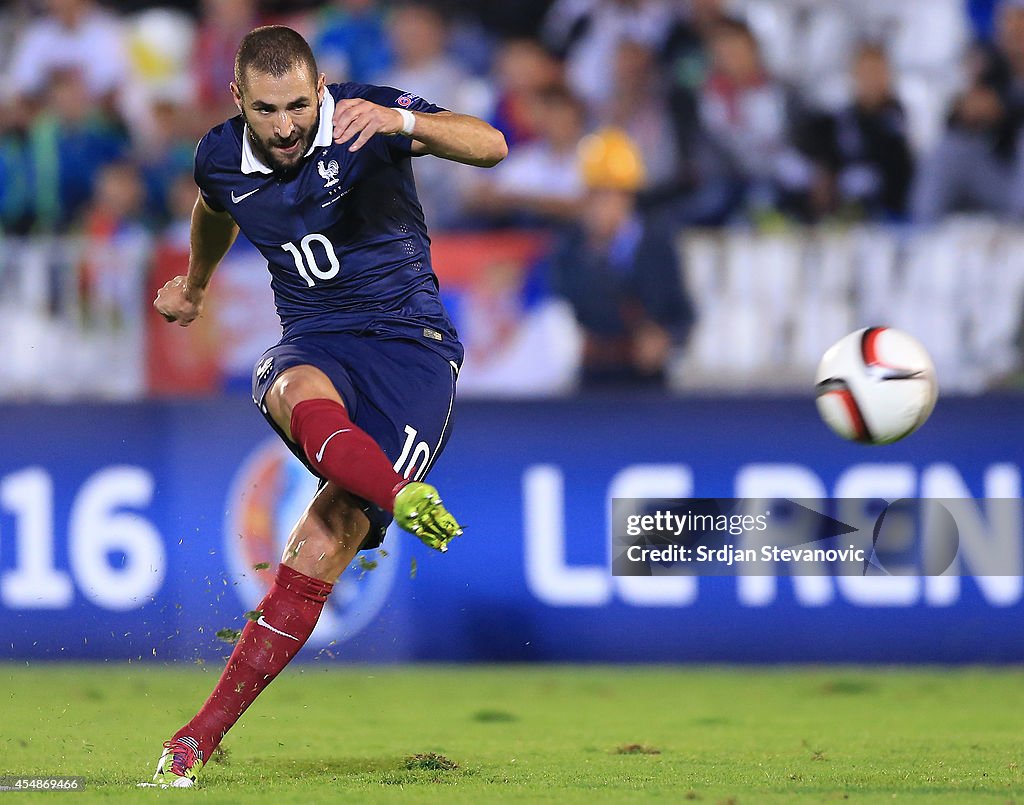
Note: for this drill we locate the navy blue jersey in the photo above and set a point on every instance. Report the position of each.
(344, 235)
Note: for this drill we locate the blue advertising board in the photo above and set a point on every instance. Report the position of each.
(137, 532)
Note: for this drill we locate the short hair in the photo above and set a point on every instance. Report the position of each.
(274, 50)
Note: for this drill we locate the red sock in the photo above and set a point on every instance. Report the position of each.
(290, 611)
(344, 453)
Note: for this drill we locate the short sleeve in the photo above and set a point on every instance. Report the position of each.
(201, 176)
(407, 100)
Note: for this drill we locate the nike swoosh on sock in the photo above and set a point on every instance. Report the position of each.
(320, 453)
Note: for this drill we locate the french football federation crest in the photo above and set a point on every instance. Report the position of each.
(329, 172)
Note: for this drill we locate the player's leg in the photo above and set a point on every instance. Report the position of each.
(331, 530)
(320, 547)
(306, 406)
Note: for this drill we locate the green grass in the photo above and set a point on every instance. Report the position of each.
(534, 734)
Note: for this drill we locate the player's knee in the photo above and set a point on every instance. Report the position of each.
(292, 387)
(296, 384)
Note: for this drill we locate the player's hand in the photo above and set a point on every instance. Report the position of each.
(358, 119)
(178, 301)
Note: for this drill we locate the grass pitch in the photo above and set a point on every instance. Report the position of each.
(426, 734)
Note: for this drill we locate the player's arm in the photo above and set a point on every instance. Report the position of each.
(211, 236)
(460, 138)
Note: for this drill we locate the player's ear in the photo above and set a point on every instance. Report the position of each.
(321, 85)
(236, 94)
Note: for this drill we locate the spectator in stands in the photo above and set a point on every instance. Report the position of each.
(116, 245)
(522, 68)
(161, 44)
(1011, 48)
(1001, 63)
(14, 191)
(419, 36)
(971, 168)
(15, 188)
(13, 18)
(586, 33)
(180, 200)
(747, 116)
(862, 157)
(67, 145)
(222, 25)
(73, 35)
(639, 106)
(539, 182)
(351, 43)
(703, 192)
(687, 58)
(117, 209)
(620, 272)
(168, 151)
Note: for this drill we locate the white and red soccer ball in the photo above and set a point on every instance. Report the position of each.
(876, 385)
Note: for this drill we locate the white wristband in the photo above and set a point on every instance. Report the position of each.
(408, 121)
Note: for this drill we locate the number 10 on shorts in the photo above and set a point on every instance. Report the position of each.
(416, 459)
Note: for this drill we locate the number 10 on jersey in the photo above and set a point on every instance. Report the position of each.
(306, 259)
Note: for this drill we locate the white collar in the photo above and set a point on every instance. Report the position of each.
(324, 137)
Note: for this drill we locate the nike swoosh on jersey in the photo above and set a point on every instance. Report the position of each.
(262, 622)
(320, 454)
(331, 201)
(244, 196)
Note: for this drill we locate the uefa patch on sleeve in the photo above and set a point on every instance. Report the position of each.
(432, 334)
(407, 99)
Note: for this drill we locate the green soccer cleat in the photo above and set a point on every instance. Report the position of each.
(419, 511)
(179, 765)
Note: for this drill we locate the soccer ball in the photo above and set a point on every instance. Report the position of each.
(876, 385)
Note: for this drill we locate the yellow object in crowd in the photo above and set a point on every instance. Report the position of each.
(610, 160)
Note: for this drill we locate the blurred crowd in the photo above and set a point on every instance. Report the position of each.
(627, 120)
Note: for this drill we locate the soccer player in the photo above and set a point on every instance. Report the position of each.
(361, 385)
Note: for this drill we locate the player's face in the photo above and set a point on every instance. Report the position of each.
(282, 112)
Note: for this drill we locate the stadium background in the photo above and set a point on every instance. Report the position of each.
(139, 488)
